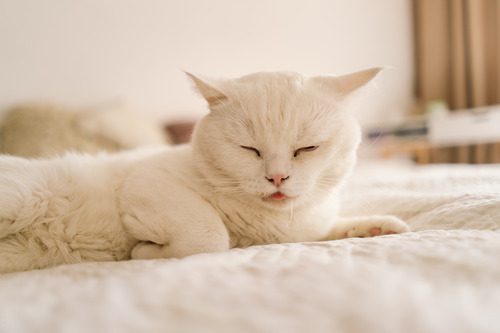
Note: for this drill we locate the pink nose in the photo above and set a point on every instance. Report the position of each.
(277, 179)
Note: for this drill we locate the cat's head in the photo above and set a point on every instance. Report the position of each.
(278, 138)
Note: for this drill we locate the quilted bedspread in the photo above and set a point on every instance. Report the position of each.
(444, 276)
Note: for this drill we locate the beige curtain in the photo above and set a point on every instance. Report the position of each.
(458, 51)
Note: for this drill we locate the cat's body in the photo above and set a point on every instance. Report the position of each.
(265, 166)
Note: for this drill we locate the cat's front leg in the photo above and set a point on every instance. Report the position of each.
(168, 219)
(176, 234)
(369, 226)
(183, 235)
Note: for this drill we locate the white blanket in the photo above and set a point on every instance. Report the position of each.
(443, 277)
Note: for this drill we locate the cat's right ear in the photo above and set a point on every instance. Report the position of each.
(344, 85)
(212, 95)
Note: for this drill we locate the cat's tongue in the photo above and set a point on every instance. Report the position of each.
(278, 196)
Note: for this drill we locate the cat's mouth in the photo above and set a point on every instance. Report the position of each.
(277, 196)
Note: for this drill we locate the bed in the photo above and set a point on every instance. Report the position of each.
(444, 276)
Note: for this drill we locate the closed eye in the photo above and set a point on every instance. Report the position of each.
(304, 149)
(255, 150)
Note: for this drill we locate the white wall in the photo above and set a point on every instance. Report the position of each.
(89, 52)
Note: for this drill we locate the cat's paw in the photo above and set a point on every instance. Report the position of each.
(148, 250)
(375, 226)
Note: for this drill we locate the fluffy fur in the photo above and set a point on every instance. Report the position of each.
(265, 166)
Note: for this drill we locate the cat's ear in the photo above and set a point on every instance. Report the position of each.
(345, 84)
(212, 95)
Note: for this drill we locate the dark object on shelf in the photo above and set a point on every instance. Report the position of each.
(180, 132)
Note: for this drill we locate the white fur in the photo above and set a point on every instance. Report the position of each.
(210, 196)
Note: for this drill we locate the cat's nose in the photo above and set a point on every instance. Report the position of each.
(277, 179)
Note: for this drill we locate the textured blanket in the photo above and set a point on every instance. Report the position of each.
(444, 276)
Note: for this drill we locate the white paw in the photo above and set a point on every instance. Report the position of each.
(377, 226)
(148, 250)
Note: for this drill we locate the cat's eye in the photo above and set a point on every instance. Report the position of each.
(304, 149)
(255, 150)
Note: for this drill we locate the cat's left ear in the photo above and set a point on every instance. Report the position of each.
(212, 95)
(343, 85)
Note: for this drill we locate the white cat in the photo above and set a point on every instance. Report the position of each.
(265, 166)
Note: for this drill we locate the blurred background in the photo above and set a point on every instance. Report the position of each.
(121, 54)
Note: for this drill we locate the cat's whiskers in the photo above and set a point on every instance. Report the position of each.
(290, 221)
(218, 181)
(313, 194)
